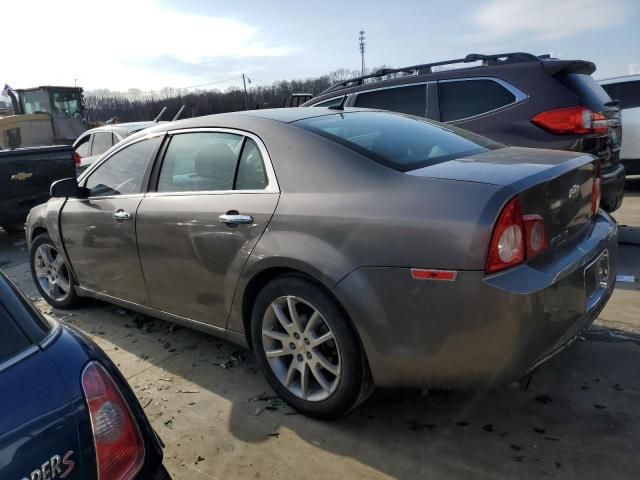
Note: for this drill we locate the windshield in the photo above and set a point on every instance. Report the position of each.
(398, 141)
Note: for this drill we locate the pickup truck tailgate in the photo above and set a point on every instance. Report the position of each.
(26, 175)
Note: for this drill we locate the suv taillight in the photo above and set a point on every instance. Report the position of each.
(516, 238)
(571, 121)
(77, 159)
(118, 443)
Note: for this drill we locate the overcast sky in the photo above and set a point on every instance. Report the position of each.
(149, 44)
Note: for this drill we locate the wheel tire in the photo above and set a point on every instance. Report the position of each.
(350, 388)
(68, 301)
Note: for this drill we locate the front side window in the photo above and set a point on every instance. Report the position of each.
(102, 141)
(123, 172)
(36, 101)
(202, 161)
(397, 141)
(627, 93)
(411, 100)
(466, 98)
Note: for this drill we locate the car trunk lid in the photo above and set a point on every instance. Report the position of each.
(553, 184)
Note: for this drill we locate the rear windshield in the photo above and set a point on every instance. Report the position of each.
(12, 340)
(585, 87)
(400, 142)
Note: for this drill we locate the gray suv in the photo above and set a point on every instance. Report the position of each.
(515, 98)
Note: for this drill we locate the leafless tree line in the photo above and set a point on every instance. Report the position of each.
(135, 106)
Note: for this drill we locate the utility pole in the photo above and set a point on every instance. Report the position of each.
(75, 82)
(246, 100)
(361, 38)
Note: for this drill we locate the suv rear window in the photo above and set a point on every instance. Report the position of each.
(466, 98)
(587, 89)
(400, 142)
(411, 100)
(627, 93)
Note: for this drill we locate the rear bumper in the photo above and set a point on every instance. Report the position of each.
(477, 329)
(613, 189)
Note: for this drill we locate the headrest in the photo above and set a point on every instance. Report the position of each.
(215, 160)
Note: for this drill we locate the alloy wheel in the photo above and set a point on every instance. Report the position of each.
(301, 348)
(51, 272)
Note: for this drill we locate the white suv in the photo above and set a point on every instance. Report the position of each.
(626, 90)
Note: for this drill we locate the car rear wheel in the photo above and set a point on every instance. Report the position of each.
(307, 348)
(51, 274)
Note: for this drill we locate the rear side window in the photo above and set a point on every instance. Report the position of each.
(627, 93)
(397, 141)
(123, 172)
(82, 148)
(251, 173)
(204, 161)
(466, 98)
(102, 141)
(12, 340)
(411, 100)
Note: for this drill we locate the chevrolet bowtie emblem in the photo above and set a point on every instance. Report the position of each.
(19, 177)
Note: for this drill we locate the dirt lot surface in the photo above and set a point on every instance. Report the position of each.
(579, 418)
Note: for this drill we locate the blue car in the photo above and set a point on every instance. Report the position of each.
(66, 412)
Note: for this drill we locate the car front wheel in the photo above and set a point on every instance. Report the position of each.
(307, 348)
(51, 274)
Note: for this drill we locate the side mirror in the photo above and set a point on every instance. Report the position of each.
(67, 187)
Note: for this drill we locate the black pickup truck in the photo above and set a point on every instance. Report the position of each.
(25, 177)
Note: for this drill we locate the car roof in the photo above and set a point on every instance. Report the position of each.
(490, 66)
(123, 128)
(283, 115)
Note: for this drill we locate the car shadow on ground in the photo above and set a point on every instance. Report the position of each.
(578, 417)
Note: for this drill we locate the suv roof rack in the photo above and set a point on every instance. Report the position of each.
(487, 60)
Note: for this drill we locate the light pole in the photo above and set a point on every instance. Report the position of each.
(361, 38)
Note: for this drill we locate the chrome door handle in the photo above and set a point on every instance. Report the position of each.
(235, 219)
(121, 215)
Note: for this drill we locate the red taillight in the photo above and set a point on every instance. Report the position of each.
(77, 158)
(507, 245)
(118, 443)
(571, 121)
(516, 238)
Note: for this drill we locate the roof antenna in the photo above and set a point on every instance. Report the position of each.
(177, 115)
(157, 119)
(340, 106)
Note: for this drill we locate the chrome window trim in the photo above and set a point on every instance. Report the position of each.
(388, 87)
(320, 104)
(52, 335)
(272, 181)
(519, 94)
